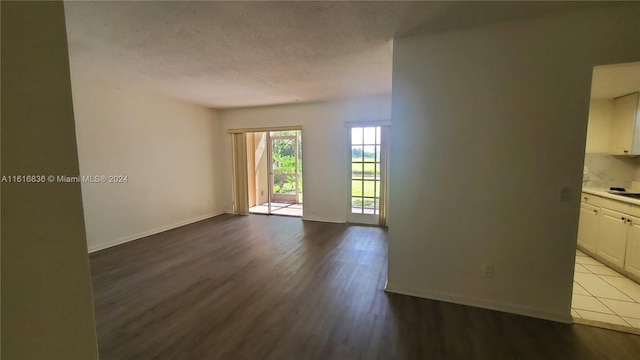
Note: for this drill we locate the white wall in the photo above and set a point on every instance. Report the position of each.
(599, 125)
(494, 121)
(324, 146)
(169, 150)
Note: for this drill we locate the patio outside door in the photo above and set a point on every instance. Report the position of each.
(285, 169)
(275, 172)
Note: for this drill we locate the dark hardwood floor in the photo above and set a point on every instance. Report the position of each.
(268, 287)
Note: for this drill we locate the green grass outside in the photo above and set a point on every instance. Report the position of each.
(369, 170)
(357, 188)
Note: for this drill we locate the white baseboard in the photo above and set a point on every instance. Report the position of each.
(335, 221)
(482, 303)
(152, 232)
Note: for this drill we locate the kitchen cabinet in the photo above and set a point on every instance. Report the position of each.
(592, 200)
(632, 261)
(625, 130)
(588, 227)
(609, 230)
(612, 237)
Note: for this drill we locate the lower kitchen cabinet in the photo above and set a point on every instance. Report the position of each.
(632, 261)
(609, 230)
(612, 237)
(588, 227)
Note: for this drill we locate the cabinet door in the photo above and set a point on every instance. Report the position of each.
(588, 228)
(624, 124)
(632, 262)
(612, 236)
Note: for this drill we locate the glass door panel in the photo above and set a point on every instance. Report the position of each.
(284, 156)
(283, 168)
(365, 175)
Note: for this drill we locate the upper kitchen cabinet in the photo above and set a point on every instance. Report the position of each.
(625, 132)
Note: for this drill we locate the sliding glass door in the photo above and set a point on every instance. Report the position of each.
(286, 168)
(275, 172)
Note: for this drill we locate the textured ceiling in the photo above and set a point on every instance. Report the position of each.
(611, 81)
(234, 54)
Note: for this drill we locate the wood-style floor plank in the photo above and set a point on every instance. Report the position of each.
(268, 287)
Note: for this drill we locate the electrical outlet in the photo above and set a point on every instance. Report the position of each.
(487, 270)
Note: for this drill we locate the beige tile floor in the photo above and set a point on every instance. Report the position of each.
(602, 294)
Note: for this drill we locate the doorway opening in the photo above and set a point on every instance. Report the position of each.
(274, 171)
(606, 286)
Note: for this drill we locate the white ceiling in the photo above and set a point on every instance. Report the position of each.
(234, 54)
(611, 81)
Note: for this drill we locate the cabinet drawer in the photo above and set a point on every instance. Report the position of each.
(634, 210)
(615, 205)
(591, 199)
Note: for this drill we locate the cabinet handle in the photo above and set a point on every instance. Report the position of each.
(586, 198)
(623, 219)
(629, 221)
(595, 211)
(626, 151)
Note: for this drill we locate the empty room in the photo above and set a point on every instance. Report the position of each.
(319, 180)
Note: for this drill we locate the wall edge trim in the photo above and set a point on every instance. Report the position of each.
(158, 230)
(321, 219)
(481, 303)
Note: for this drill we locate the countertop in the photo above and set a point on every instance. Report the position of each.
(604, 193)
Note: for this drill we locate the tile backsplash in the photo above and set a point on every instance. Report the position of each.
(605, 170)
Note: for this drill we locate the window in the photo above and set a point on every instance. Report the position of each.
(365, 170)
